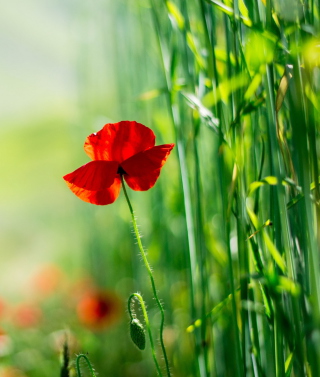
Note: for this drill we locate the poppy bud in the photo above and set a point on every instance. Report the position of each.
(137, 334)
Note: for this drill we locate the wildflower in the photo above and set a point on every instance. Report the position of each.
(10, 371)
(125, 148)
(46, 281)
(27, 315)
(3, 308)
(98, 309)
(6, 344)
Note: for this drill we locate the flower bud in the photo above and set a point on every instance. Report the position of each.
(137, 334)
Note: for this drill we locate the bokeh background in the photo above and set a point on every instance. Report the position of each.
(67, 68)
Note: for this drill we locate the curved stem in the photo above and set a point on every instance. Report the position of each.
(147, 265)
(88, 362)
(146, 320)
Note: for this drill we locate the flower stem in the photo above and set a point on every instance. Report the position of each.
(147, 265)
(87, 361)
(146, 320)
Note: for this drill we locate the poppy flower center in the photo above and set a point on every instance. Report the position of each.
(121, 171)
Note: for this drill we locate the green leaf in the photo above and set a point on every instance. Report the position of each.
(259, 50)
(175, 13)
(274, 252)
(282, 90)
(195, 103)
(243, 9)
(312, 96)
(269, 244)
(229, 11)
(224, 8)
(192, 45)
(254, 85)
(288, 365)
(288, 285)
(214, 313)
(225, 89)
(270, 180)
(267, 304)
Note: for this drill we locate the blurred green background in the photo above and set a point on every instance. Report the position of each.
(67, 68)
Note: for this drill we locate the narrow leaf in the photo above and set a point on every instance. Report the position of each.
(195, 103)
(270, 180)
(282, 90)
(192, 45)
(229, 11)
(243, 9)
(288, 365)
(274, 252)
(175, 13)
(254, 85)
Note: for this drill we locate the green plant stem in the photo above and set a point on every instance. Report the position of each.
(176, 121)
(147, 265)
(87, 361)
(146, 320)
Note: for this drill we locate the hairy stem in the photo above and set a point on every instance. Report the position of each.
(82, 356)
(147, 265)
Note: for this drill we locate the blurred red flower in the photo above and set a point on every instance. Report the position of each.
(11, 372)
(126, 148)
(47, 279)
(3, 308)
(26, 315)
(98, 309)
(5, 344)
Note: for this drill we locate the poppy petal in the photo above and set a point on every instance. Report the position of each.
(99, 197)
(143, 182)
(93, 176)
(143, 169)
(119, 141)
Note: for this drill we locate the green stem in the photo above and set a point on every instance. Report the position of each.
(147, 265)
(146, 320)
(88, 363)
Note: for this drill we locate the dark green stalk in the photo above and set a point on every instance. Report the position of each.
(184, 177)
(242, 248)
(207, 41)
(301, 126)
(277, 195)
(274, 159)
(226, 231)
(64, 370)
(202, 257)
(147, 265)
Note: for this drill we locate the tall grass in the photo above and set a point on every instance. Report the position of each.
(241, 83)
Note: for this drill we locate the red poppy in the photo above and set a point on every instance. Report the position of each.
(125, 148)
(47, 279)
(98, 309)
(9, 371)
(27, 315)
